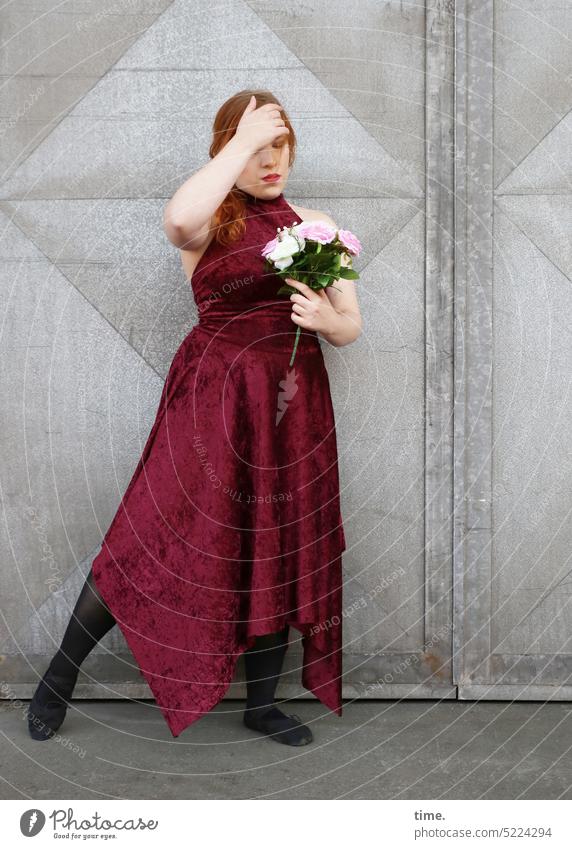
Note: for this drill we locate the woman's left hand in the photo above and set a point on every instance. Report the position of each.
(312, 309)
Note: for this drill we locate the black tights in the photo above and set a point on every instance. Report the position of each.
(262, 665)
(91, 620)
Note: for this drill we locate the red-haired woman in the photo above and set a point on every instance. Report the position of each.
(230, 530)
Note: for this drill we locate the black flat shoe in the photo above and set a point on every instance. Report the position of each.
(279, 726)
(48, 706)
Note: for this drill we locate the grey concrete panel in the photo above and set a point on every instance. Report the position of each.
(532, 450)
(532, 91)
(374, 65)
(116, 254)
(547, 221)
(199, 35)
(53, 55)
(378, 392)
(547, 170)
(60, 38)
(87, 157)
(513, 468)
(78, 405)
(19, 139)
(116, 130)
(188, 95)
(30, 109)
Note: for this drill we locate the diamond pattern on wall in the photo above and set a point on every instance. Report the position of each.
(52, 56)
(532, 91)
(78, 404)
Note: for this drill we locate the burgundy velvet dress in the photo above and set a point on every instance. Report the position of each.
(231, 526)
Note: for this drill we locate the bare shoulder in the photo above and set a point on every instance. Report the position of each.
(312, 214)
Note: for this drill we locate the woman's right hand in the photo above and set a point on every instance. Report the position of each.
(260, 127)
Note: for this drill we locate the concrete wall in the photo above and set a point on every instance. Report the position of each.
(118, 106)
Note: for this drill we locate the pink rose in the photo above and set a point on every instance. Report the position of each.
(316, 231)
(350, 241)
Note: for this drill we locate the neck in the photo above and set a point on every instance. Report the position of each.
(253, 199)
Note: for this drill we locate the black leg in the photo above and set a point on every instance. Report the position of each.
(90, 621)
(263, 664)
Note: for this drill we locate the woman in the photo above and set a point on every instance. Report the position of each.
(230, 530)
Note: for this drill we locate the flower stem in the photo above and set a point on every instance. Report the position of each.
(295, 345)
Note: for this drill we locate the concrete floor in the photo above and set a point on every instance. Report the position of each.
(377, 750)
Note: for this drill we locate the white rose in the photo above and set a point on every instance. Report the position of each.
(282, 254)
(281, 264)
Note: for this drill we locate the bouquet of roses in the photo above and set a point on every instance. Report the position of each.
(311, 252)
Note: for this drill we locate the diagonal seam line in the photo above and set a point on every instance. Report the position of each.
(67, 113)
(56, 267)
(532, 149)
(324, 86)
(532, 242)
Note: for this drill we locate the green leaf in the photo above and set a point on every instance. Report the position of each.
(348, 273)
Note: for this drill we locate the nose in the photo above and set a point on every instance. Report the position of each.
(267, 157)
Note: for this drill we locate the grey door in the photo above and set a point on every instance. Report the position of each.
(513, 352)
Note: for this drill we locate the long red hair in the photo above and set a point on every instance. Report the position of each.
(229, 217)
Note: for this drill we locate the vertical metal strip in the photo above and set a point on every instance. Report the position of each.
(439, 387)
(472, 556)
